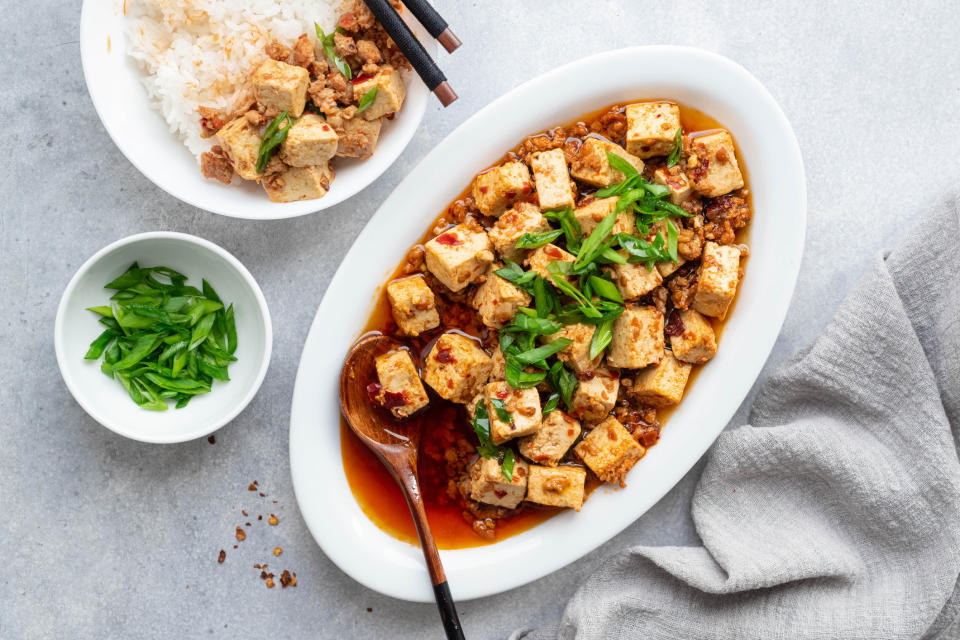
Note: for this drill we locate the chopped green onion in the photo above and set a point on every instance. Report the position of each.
(677, 151)
(367, 99)
(537, 239)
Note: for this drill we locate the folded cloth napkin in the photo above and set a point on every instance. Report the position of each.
(836, 513)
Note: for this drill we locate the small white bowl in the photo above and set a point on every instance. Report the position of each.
(116, 88)
(104, 399)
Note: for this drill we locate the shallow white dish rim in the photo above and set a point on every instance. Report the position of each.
(701, 79)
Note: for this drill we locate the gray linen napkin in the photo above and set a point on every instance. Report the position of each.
(836, 514)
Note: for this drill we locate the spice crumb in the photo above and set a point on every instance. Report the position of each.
(212, 439)
(256, 566)
(263, 495)
(243, 512)
(269, 584)
(277, 551)
(222, 557)
(248, 524)
(273, 520)
(234, 546)
(251, 487)
(260, 517)
(241, 534)
(288, 580)
(369, 609)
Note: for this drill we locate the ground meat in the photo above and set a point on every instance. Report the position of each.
(368, 51)
(342, 90)
(211, 120)
(683, 285)
(255, 118)
(344, 45)
(303, 53)
(319, 69)
(639, 420)
(215, 164)
(659, 298)
(277, 51)
(725, 215)
(414, 260)
(552, 139)
(690, 238)
(325, 99)
(611, 125)
(356, 16)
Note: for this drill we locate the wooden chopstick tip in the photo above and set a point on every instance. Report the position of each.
(449, 40)
(445, 93)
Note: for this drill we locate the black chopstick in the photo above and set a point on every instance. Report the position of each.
(422, 63)
(434, 23)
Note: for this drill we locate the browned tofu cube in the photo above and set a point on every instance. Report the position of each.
(554, 188)
(279, 86)
(610, 451)
(592, 166)
(557, 434)
(717, 280)
(661, 384)
(712, 164)
(697, 343)
(400, 388)
(541, 257)
(652, 128)
(460, 255)
(577, 353)
(637, 338)
(522, 218)
(413, 305)
(596, 395)
(500, 187)
(456, 368)
(299, 183)
(489, 485)
(557, 487)
(674, 180)
(593, 211)
(390, 93)
(241, 141)
(497, 300)
(522, 405)
(634, 279)
(358, 137)
(310, 141)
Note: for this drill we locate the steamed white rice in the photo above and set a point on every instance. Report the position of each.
(201, 52)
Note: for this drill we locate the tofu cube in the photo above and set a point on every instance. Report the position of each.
(661, 384)
(610, 451)
(400, 388)
(279, 86)
(522, 218)
(523, 405)
(673, 179)
(554, 188)
(592, 166)
(541, 257)
(497, 300)
(652, 128)
(358, 138)
(592, 212)
(718, 278)
(390, 93)
(310, 141)
(697, 343)
(712, 164)
(667, 268)
(557, 487)
(489, 486)
(456, 368)
(299, 183)
(413, 305)
(634, 279)
(595, 396)
(241, 141)
(500, 187)
(557, 434)
(458, 256)
(577, 353)
(637, 338)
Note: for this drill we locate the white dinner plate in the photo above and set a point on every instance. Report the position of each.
(706, 81)
(139, 130)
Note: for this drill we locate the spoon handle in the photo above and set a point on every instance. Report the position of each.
(441, 590)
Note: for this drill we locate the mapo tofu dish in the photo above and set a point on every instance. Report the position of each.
(308, 104)
(555, 314)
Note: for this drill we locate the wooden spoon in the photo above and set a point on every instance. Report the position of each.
(396, 446)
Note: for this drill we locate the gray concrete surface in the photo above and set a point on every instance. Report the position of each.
(101, 537)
